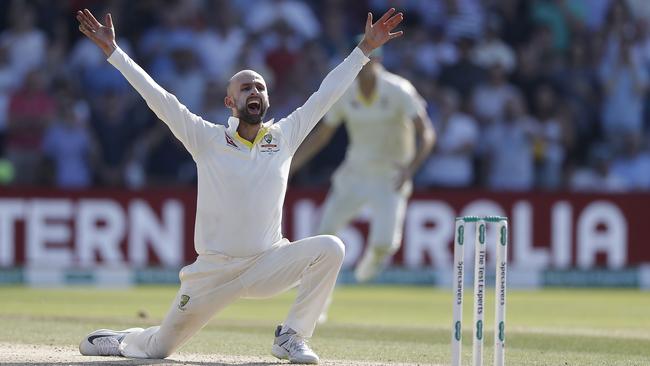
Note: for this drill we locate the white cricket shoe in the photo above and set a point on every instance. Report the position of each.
(291, 346)
(371, 264)
(104, 342)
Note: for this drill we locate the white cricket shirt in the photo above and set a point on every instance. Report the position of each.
(241, 186)
(380, 129)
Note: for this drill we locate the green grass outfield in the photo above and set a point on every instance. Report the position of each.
(370, 323)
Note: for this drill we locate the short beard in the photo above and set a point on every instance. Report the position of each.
(251, 119)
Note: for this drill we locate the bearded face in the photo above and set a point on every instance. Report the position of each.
(248, 97)
(252, 109)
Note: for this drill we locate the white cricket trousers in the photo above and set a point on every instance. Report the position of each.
(213, 281)
(351, 192)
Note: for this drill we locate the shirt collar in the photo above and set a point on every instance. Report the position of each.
(233, 124)
(375, 93)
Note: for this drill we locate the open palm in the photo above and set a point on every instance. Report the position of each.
(380, 32)
(102, 35)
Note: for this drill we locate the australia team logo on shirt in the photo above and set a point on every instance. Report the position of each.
(184, 300)
(269, 144)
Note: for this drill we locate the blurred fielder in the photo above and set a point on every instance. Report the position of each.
(384, 115)
(242, 179)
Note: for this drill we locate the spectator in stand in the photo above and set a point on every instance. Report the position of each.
(463, 18)
(212, 108)
(31, 109)
(598, 175)
(27, 44)
(282, 56)
(508, 155)
(640, 9)
(68, 144)
(162, 159)
(154, 45)
(451, 163)
(516, 25)
(217, 32)
(431, 50)
(641, 46)
(492, 50)
(625, 81)
(554, 139)
(594, 13)
(619, 22)
(633, 163)
(115, 134)
(559, 17)
(184, 78)
(297, 15)
(465, 74)
(529, 75)
(578, 82)
(456, 19)
(334, 38)
(490, 97)
(9, 81)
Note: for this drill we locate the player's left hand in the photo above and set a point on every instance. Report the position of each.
(380, 32)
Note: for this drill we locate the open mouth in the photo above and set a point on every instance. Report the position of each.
(254, 105)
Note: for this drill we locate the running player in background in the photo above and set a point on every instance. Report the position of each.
(390, 135)
(242, 179)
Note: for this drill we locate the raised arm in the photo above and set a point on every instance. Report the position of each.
(189, 128)
(298, 125)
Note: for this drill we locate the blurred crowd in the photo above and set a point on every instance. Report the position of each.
(524, 94)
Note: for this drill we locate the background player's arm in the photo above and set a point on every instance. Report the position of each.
(425, 138)
(314, 143)
(189, 128)
(298, 125)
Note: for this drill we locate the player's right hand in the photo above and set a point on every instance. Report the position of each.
(102, 35)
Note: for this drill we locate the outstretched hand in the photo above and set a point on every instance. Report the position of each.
(102, 35)
(380, 32)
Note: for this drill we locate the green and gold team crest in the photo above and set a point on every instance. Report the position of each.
(184, 301)
(269, 145)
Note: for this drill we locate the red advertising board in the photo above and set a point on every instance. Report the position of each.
(155, 227)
